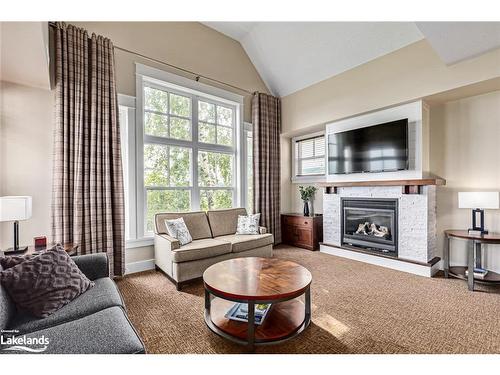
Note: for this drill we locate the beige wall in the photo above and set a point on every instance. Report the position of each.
(27, 113)
(407, 74)
(190, 45)
(26, 156)
(465, 139)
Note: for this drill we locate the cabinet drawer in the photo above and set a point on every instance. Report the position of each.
(299, 221)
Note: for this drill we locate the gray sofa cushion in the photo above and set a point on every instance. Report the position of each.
(94, 266)
(244, 242)
(201, 249)
(7, 307)
(196, 222)
(224, 222)
(104, 294)
(106, 332)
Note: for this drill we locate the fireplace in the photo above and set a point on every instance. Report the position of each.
(371, 224)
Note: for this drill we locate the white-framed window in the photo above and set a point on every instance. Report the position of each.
(309, 157)
(190, 147)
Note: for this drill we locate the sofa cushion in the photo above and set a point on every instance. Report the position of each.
(7, 307)
(224, 222)
(104, 294)
(45, 283)
(196, 222)
(201, 249)
(105, 332)
(244, 242)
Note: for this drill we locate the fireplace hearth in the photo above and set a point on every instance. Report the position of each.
(370, 224)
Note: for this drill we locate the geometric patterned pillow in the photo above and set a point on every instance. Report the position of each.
(45, 283)
(177, 228)
(248, 224)
(14, 260)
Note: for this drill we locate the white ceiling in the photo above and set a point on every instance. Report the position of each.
(457, 41)
(290, 56)
(24, 54)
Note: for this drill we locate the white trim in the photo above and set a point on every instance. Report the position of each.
(185, 84)
(126, 101)
(394, 264)
(312, 178)
(143, 265)
(139, 242)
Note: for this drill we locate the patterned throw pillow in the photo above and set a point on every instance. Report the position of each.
(177, 228)
(45, 283)
(248, 224)
(14, 260)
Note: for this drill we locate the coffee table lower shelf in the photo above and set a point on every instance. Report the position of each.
(284, 321)
(490, 278)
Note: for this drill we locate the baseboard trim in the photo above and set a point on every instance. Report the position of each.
(414, 268)
(143, 265)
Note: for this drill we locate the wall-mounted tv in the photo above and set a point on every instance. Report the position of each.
(377, 148)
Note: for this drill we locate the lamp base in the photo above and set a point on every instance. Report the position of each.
(12, 250)
(477, 232)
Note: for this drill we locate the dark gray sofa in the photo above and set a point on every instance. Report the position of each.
(96, 322)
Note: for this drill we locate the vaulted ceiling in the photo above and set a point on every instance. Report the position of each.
(290, 56)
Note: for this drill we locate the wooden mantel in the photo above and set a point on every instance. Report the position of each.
(410, 186)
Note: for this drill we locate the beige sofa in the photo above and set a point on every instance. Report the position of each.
(214, 240)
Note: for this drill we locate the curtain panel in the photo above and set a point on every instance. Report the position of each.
(266, 118)
(87, 192)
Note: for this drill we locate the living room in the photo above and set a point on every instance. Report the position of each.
(165, 183)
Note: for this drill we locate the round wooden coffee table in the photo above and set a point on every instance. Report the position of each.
(255, 281)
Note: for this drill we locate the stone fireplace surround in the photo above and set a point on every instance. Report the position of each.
(416, 225)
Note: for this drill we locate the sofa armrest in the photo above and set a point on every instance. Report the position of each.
(94, 266)
(262, 230)
(172, 243)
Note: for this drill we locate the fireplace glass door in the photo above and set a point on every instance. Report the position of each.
(370, 224)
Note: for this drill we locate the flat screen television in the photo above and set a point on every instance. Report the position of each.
(377, 148)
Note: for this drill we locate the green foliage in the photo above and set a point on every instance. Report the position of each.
(166, 166)
(306, 193)
(165, 201)
(215, 199)
(215, 169)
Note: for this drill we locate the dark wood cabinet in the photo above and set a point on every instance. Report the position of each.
(302, 231)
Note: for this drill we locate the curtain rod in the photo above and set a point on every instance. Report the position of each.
(197, 76)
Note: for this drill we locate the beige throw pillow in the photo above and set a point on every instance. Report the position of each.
(177, 228)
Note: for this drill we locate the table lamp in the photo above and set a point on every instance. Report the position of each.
(478, 201)
(15, 208)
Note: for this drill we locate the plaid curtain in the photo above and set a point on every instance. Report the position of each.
(266, 116)
(87, 192)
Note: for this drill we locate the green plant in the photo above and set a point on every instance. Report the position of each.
(307, 192)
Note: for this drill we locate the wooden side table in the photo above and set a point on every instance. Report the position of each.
(473, 256)
(302, 231)
(69, 247)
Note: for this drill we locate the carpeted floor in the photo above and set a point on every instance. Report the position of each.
(357, 308)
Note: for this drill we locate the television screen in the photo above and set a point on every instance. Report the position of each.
(377, 148)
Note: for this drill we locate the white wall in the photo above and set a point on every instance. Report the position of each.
(26, 122)
(465, 150)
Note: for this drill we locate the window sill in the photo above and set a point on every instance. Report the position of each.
(140, 242)
(308, 179)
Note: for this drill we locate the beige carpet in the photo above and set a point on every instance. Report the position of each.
(357, 308)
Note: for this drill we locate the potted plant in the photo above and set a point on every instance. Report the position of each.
(306, 194)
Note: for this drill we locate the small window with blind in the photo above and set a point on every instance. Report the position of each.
(309, 156)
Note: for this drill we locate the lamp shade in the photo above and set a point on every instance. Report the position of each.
(478, 199)
(14, 208)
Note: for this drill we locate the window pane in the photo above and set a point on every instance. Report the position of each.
(224, 136)
(180, 128)
(215, 199)
(306, 148)
(206, 112)
(155, 165)
(312, 166)
(319, 146)
(224, 116)
(180, 166)
(180, 105)
(206, 133)
(165, 201)
(215, 169)
(156, 124)
(155, 100)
